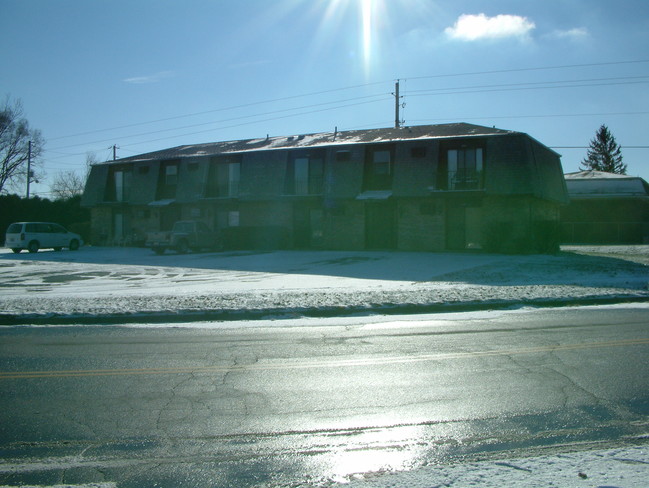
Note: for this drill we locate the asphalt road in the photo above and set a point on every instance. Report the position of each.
(277, 405)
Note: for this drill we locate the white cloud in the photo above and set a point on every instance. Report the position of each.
(153, 78)
(574, 34)
(475, 27)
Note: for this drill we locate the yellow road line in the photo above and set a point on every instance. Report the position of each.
(332, 363)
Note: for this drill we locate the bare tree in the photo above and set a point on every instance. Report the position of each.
(15, 138)
(91, 160)
(67, 184)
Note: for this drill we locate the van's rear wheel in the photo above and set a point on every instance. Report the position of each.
(33, 246)
(74, 245)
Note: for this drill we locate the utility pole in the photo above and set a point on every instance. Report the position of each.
(397, 105)
(29, 166)
(397, 121)
(114, 152)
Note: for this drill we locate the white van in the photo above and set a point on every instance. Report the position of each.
(40, 235)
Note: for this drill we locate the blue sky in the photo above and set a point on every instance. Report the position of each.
(149, 74)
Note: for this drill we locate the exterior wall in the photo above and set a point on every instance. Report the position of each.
(606, 221)
(417, 169)
(344, 176)
(421, 225)
(100, 225)
(514, 211)
(521, 224)
(262, 174)
(344, 226)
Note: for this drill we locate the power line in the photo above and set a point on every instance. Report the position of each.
(351, 87)
(460, 91)
(537, 83)
(238, 118)
(543, 116)
(378, 97)
(541, 68)
(587, 147)
(254, 122)
(224, 109)
(436, 91)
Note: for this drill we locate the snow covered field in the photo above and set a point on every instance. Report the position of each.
(118, 282)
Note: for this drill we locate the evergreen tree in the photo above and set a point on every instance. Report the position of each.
(604, 154)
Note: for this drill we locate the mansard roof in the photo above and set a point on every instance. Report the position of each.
(323, 139)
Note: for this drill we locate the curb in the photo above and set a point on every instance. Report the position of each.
(221, 315)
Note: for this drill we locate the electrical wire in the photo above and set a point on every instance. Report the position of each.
(541, 68)
(534, 84)
(351, 87)
(224, 109)
(379, 97)
(461, 91)
(237, 118)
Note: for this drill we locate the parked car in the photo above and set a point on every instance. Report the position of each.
(184, 235)
(40, 235)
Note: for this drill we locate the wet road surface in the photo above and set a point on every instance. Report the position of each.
(291, 404)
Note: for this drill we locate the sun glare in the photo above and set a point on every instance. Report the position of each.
(366, 15)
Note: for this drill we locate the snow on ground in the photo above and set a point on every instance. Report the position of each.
(626, 467)
(107, 281)
(85, 485)
(97, 281)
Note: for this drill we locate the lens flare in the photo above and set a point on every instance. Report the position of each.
(366, 16)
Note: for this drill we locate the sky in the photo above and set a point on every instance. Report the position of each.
(131, 76)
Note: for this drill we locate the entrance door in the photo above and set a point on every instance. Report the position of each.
(380, 225)
(301, 227)
(118, 226)
(463, 227)
(455, 227)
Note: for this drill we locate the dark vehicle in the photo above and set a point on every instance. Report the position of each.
(184, 236)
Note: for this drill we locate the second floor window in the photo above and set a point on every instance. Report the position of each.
(378, 168)
(465, 169)
(224, 177)
(304, 174)
(168, 180)
(119, 185)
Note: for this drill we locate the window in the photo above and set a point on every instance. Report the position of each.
(304, 174)
(234, 177)
(171, 174)
(381, 163)
(168, 180)
(378, 168)
(224, 177)
(119, 185)
(464, 169)
(233, 218)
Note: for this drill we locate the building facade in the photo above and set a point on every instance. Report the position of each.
(422, 188)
